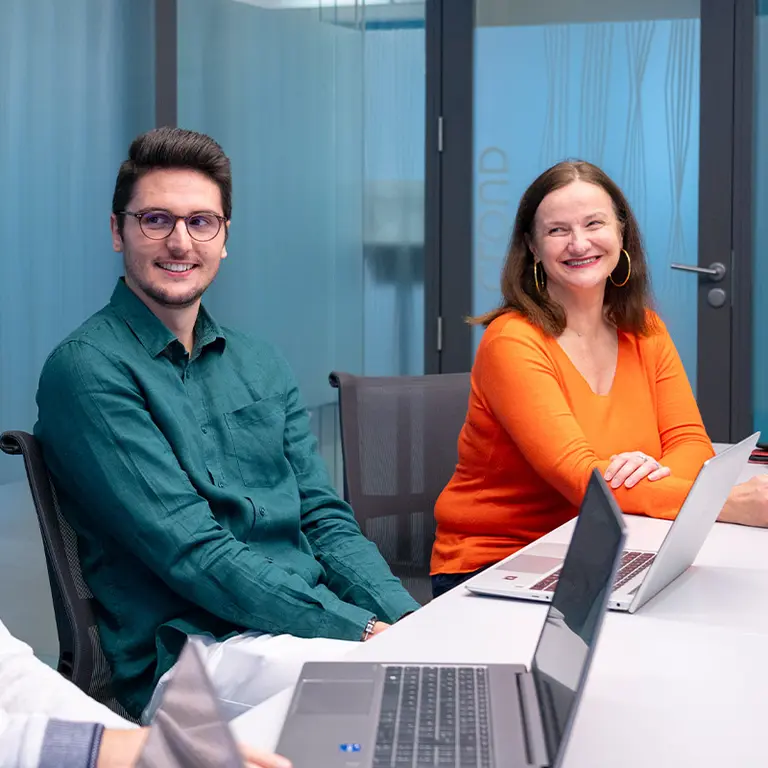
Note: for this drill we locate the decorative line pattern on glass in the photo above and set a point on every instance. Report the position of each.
(557, 48)
(678, 97)
(639, 36)
(595, 87)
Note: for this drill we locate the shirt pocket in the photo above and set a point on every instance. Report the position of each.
(257, 432)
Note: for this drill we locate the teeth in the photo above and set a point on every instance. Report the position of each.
(590, 260)
(173, 267)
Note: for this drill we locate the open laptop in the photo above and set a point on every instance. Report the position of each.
(532, 573)
(369, 715)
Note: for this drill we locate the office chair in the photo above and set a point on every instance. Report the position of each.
(399, 446)
(81, 658)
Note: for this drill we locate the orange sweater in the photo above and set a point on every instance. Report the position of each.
(535, 431)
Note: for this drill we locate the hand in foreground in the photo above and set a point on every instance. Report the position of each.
(631, 467)
(747, 503)
(255, 758)
(121, 749)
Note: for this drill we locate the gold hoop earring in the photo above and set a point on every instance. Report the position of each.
(540, 287)
(629, 272)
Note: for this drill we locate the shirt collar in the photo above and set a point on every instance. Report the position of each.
(154, 336)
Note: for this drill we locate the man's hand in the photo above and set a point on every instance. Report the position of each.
(378, 628)
(747, 503)
(631, 467)
(121, 749)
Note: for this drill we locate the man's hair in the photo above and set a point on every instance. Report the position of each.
(166, 147)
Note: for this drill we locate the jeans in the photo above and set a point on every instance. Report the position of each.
(444, 582)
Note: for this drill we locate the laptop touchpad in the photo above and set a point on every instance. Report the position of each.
(531, 564)
(330, 697)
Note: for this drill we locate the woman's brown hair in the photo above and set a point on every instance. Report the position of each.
(625, 306)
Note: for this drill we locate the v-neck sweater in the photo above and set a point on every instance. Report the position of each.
(535, 430)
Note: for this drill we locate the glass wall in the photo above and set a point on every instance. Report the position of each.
(320, 106)
(622, 93)
(76, 85)
(395, 97)
(760, 217)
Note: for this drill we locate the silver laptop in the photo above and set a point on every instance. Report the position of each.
(533, 572)
(368, 715)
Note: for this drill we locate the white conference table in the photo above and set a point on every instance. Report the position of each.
(683, 682)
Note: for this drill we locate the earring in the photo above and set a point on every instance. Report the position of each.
(540, 287)
(629, 272)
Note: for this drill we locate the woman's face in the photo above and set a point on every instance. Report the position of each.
(577, 237)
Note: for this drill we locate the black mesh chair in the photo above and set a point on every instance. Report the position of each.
(81, 658)
(399, 441)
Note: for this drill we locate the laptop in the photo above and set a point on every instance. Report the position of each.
(533, 572)
(376, 715)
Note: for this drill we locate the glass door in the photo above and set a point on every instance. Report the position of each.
(622, 94)
(643, 90)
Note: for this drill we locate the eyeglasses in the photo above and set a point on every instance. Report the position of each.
(159, 224)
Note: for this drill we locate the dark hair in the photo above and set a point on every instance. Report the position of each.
(172, 148)
(625, 307)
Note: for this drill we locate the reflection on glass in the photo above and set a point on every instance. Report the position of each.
(574, 617)
(320, 106)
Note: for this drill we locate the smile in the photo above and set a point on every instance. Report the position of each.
(582, 262)
(172, 266)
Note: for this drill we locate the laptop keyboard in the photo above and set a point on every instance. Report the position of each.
(434, 716)
(632, 563)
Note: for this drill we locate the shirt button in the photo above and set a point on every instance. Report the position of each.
(262, 511)
(221, 483)
(204, 430)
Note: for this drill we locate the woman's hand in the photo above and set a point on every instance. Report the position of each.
(631, 467)
(747, 503)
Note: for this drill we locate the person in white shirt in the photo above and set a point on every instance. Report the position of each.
(47, 722)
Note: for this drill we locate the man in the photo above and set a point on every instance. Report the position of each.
(46, 721)
(182, 455)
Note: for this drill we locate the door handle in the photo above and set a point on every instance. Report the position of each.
(715, 271)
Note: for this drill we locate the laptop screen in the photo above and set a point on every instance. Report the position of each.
(573, 622)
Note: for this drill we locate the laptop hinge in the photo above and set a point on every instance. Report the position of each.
(536, 745)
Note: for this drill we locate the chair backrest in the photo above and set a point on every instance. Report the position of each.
(399, 444)
(81, 658)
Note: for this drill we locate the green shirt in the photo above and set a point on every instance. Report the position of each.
(198, 495)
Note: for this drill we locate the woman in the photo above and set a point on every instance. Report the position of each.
(575, 371)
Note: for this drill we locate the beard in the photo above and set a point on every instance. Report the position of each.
(158, 293)
(164, 299)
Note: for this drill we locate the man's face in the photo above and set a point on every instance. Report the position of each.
(174, 271)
